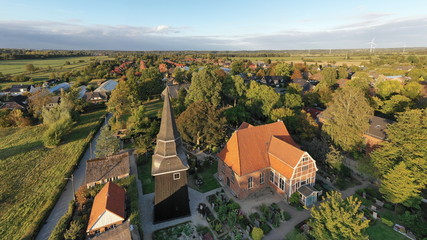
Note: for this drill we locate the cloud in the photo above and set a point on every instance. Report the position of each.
(74, 35)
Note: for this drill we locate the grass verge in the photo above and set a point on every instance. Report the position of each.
(380, 231)
(33, 176)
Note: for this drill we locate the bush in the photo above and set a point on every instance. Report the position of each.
(265, 228)
(257, 233)
(53, 135)
(295, 199)
(286, 216)
(74, 232)
(387, 222)
(388, 206)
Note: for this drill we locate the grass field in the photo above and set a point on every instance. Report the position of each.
(15, 67)
(144, 174)
(380, 231)
(153, 107)
(32, 175)
(210, 182)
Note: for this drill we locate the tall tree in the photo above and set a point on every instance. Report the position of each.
(205, 86)
(397, 103)
(329, 76)
(361, 80)
(283, 69)
(412, 90)
(38, 100)
(388, 87)
(399, 186)
(406, 138)
(293, 100)
(119, 102)
(338, 218)
(202, 124)
(107, 143)
(261, 99)
(347, 117)
(234, 86)
(237, 67)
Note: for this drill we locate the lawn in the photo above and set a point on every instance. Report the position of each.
(32, 176)
(210, 182)
(380, 231)
(153, 107)
(15, 67)
(144, 173)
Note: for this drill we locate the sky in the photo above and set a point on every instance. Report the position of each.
(212, 24)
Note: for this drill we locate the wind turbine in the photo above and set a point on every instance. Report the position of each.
(404, 48)
(373, 44)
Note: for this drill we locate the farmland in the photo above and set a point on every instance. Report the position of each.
(33, 175)
(57, 65)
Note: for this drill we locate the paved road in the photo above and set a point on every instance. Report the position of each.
(61, 205)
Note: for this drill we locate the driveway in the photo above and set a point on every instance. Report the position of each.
(61, 205)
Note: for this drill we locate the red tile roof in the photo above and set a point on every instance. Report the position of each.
(111, 198)
(248, 149)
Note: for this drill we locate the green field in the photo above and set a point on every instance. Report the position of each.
(32, 175)
(153, 107)
(380, 231)
(15, 67)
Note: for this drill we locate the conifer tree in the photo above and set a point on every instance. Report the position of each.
(107, 143)
(398, 186)
(338, 218)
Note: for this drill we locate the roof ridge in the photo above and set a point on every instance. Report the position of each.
(238, 153)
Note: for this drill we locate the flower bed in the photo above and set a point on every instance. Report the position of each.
(181, 231)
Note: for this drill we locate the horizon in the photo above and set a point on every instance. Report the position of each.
(212, 26)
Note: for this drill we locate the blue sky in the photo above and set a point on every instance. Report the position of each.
(211, 25)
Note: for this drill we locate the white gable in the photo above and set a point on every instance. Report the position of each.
(106, 219)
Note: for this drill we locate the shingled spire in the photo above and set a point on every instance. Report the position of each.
(169, 168)
(169, 155)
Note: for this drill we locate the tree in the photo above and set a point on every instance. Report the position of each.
(412, 90)
(295, 198)
(296, 74)
(236, 115)
(294, 88)
(179, 75)
(119, 102)
(261, 99)
(293, 100)
(237, 67)
(347, 118)
(257, 233)
(334, 158)
(283, 69)
(107, 143)
(37, 101)
(361, 80)
(56, 130)
(205, 86)
(329, 76)
(388, 87)
(281, 114)
(397, 103)
(234, 86)
(30, 68)
(406, 137)
(202, 123)
(138, 120)
(260, 73)
(399, 186)
(342, 72)
(338, 218)
(74, 232)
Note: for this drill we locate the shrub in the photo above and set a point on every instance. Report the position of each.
(74, 232)
(257, 233)
(286, 216)
(53, 135)
(388, 206)
(265, 228)
(387, 222)
(295, 199)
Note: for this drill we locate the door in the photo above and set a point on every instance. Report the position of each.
(228, 181)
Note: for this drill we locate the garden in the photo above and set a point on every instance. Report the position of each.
(181, 231)
(202, 172)
(229, 222)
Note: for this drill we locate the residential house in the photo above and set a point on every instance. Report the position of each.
(274, 81)
(59, 87)
(124, 231)
(305, 85)
(53, 102)
(257, 157)
(107, 86)
(11, 105)
(95, 97)
(21, 89)
(102, 170)
(108, 209)
(376, 133)
(314, 113)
